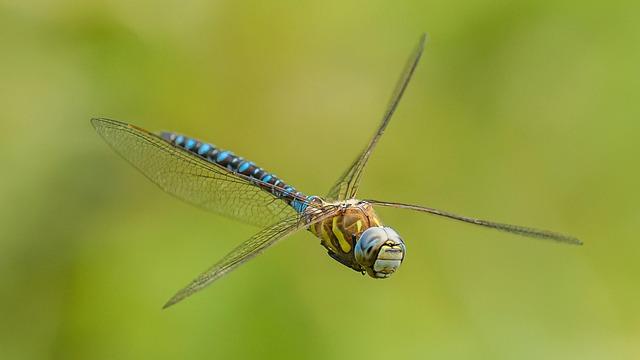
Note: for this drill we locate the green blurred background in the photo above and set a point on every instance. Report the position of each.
(523, 112)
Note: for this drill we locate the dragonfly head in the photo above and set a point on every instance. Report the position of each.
(380, 251)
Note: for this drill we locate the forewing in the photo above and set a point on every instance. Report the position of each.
(347, 185)
(513, 229)
(191, 178)
(248, 250)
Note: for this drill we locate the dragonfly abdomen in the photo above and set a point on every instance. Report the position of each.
(238, 165)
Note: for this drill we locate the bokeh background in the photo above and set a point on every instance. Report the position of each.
(521, 111)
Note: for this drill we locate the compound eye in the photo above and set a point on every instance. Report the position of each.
(368, 245)
(380, 251)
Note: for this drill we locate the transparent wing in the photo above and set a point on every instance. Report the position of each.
(248, 250)
(347, 185)
(514, 229)
(191, 178)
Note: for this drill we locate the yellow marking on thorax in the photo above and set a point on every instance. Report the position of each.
(344, 245)
(326, 237)
(359, 225)
(312, 228)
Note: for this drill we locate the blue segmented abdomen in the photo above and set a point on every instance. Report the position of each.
(236, 164)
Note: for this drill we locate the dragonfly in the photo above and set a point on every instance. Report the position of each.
(220, 181)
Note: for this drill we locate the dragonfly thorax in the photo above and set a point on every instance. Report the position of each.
(354, 236)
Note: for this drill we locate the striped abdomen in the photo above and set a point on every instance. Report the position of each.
(238, 165)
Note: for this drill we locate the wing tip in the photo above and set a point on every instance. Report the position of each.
(98, 122)
(95, 121)
(424, 37)
(169, 303)
(562, 238)
(179, 296)
(574, 241)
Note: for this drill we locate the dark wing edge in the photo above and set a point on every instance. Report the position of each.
(346, 187)
(248, 250)
(513, 229)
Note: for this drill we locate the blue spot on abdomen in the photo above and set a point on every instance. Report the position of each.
(223, 155)
(244, 166)
(204, 149)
